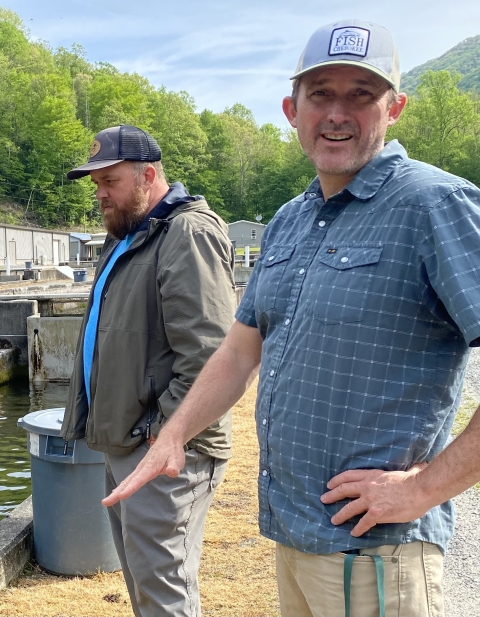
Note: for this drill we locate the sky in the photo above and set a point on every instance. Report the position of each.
(224, 52)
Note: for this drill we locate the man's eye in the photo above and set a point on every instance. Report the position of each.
(362, 94)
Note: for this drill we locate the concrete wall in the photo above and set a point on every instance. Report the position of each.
(13, 325)
(16, 542)
(52, 342)
(242, 275)
(8, 364)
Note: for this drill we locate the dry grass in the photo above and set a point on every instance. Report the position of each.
(237, 572)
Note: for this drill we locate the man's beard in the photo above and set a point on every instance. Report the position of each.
(121, 222)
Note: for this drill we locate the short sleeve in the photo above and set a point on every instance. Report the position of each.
(451, 255)
(246, 309)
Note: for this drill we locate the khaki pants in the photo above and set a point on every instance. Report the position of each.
(312, 585)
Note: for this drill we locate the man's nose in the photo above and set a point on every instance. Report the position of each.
(338, 110)
(101, 193)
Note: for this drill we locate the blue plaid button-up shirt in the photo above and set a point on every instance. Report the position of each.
(367, 305)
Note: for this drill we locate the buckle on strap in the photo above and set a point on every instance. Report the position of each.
(347, 580)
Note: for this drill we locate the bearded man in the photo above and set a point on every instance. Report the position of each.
(162, 301)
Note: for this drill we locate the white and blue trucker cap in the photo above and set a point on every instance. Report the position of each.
(352, 42)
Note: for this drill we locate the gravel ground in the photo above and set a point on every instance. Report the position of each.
(462, 569)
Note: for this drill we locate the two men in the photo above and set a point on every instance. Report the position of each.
(361, 309)
(161, 303)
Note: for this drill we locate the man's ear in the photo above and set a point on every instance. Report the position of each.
(396, 108)
(149, 174)
(290, 111)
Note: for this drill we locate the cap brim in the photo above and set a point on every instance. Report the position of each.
(84, 170)
(362, 65)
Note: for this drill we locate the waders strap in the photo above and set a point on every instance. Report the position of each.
(347, 580)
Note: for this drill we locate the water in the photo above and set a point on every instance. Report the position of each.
(18, 398)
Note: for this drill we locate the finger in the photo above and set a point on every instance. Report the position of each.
(130, 485)
(352, 475)
(354, 508)
(343, 491)
(145, 472)
(172, 470)
(364, 524)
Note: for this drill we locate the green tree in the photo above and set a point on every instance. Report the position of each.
(178, 130)
(118, 98)
(440, 123)
(58, 141)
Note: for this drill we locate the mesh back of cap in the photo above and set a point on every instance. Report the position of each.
(137, 145)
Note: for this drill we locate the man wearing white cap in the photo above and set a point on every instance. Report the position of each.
(362, 310)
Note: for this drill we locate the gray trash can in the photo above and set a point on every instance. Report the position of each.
(79, 276)
(71, 531)
(29, 265)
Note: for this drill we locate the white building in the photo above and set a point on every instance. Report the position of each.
(77, 245)
(245, 233)
(95, 245)
(43, 247)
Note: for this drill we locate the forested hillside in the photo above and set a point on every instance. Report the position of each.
(464, 59)
(52, 102)
(441, 125)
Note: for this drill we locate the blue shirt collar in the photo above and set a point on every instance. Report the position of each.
(370, 178)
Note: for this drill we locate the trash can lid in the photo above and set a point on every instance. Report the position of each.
(43, 422)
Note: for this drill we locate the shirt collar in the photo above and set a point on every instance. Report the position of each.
(370, 178)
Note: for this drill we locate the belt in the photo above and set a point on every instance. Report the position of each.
(347, 579)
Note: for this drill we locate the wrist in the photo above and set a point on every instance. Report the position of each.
(424, 489)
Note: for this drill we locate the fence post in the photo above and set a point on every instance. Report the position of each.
(247, 257)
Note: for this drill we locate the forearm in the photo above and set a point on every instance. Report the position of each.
(222, 382)
(455, 469)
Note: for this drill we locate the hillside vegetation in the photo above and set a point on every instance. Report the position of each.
(53, 102)
(464, 59)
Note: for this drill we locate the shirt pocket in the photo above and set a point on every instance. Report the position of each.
(272, 289)
(339, 282)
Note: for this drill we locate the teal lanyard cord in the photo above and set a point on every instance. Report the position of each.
(347, 580)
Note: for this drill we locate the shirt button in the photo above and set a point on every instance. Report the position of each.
(287, 321)
(272, 257)
(302, 271)
(264, 422)
(272, 373)
(264, 473)
(344, 260)
(322, 224)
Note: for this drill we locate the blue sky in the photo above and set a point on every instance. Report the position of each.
(224, 52)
